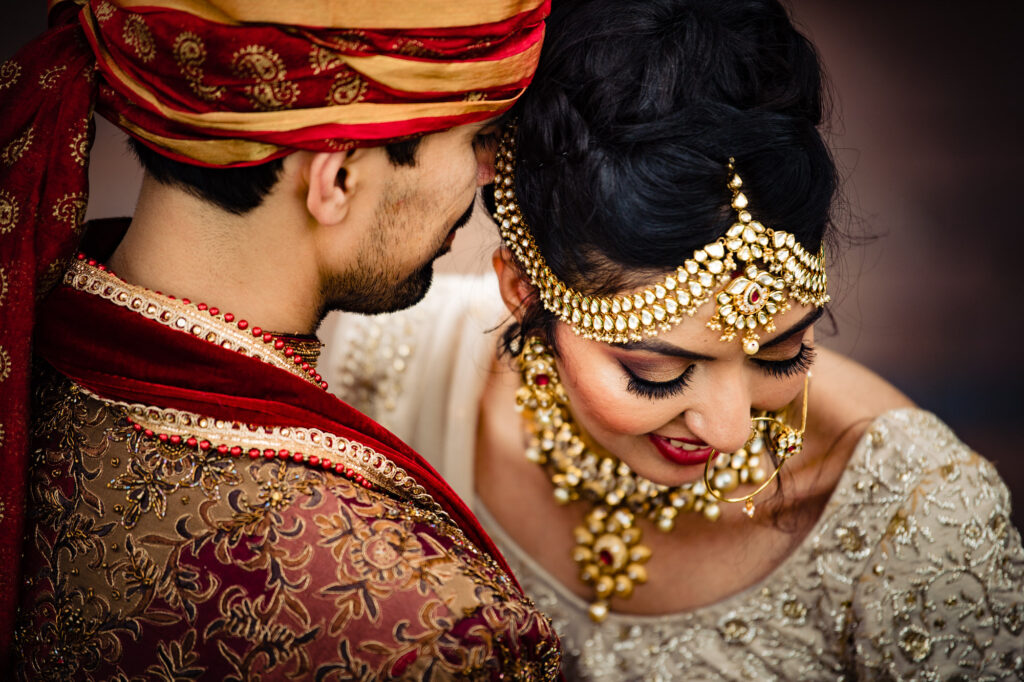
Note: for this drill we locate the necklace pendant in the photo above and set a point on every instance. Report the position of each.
(610, 556)
(748, 507)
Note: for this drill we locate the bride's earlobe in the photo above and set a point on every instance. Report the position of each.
(515, 289)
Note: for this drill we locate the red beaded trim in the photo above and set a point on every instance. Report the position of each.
(237, 451)
(258, 333)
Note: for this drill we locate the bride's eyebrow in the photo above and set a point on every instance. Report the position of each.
(662, 348)
(808, 319)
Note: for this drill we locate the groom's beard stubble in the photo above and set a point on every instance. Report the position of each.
(372, 288)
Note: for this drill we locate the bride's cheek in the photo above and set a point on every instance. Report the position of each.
(606, 408)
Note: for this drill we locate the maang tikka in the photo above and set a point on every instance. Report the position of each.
(754, 269)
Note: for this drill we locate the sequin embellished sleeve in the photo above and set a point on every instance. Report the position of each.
(941, 596)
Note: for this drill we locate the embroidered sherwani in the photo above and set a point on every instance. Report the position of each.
(200, 508)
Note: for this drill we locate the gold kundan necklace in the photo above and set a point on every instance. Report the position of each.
(608, 546)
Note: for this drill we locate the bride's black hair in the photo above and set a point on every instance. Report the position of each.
(625, 135)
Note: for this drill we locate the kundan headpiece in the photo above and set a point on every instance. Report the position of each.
(752, 273)
(216, 83)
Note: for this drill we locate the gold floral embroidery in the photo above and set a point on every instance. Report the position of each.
(10, 71)
(385, 552)
(5, 364)
(347, 88)
(3, 285)
(268, 90)
(853, 541)
(70, 209)
(104, 11)
(322, 59)
(80, 144)
(190, 54)
(137, 36)
(17, 147)
(339, 145)
(915, 643)
(373, 466)
(50, 77)
(412, 48)
(349, 41)
(10, 212)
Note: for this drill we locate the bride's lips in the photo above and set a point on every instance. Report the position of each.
(685, 451)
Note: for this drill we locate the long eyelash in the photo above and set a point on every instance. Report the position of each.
(657, 390)
(798, 364)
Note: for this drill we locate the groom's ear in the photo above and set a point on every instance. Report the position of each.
(515, 289)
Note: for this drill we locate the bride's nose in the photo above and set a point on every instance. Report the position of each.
(722, 418)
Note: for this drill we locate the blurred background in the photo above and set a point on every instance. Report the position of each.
(927, 131)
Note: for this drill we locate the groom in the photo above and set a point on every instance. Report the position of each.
(195, 503)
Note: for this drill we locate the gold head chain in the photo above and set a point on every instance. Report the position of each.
(755, 270)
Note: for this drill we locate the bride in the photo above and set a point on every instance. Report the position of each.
(682, 477)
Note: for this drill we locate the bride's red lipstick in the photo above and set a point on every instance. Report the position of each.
(679, 455)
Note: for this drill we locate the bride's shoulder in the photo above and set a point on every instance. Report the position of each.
(846, 399)
(851, 392)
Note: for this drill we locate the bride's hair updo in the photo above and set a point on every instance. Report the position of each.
(625, 136)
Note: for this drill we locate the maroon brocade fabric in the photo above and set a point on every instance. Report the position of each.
(151, 559)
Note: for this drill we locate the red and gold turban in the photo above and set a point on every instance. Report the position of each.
(216, 83)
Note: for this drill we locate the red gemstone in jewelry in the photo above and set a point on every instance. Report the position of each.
(605, 557)
(243, 325)
(542, 380)
(751, 299)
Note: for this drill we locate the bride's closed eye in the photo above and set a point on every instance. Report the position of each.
(798, 364)
(656, 390)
